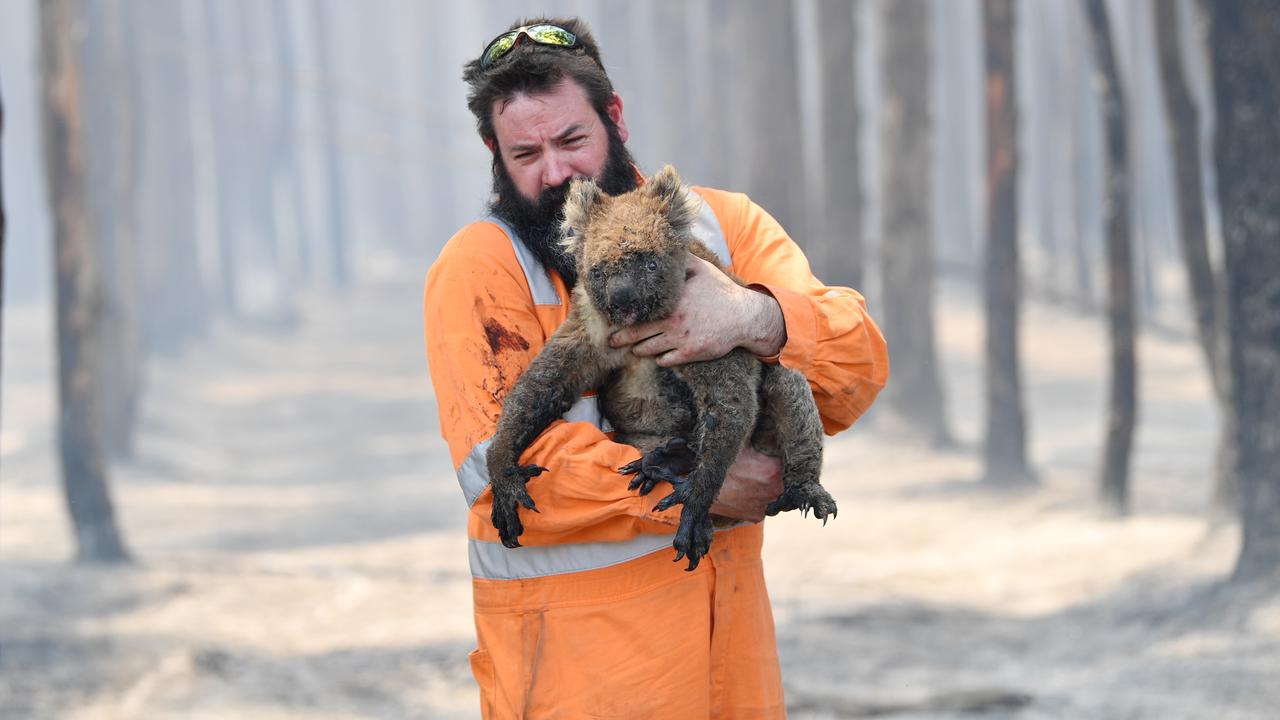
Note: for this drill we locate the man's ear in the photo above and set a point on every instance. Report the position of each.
(491, 144)
(584, 196)
(678, 202)
(613, 108)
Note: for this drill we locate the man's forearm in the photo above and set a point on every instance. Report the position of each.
(765, 330)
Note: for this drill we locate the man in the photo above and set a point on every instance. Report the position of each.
(591, 618)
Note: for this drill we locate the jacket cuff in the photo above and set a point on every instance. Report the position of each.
(802, 328)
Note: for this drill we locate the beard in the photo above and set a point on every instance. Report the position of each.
(537, 222)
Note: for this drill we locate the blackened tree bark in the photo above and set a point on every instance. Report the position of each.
(764, 104)
(221, 61)
(1122, 404)
(2, 229)
(79, 309)
(1245, 41)
(1207, 293)
(334, 206)
(1005, 448)
(111, 141)
(914, 398)
(841, 222)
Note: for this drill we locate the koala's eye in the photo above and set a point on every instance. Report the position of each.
(597, 272)
(652, 265)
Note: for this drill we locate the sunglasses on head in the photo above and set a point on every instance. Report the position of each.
(543, 34)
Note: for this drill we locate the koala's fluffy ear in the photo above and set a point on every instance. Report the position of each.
(680, 204)
(584, 195)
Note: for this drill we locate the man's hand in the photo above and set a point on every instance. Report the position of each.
(714, 316)
(754, 481)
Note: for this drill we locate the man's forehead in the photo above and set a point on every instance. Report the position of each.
(547, 114)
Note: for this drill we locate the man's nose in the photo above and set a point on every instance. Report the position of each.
(556, 171)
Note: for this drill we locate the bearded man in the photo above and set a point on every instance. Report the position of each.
(590, 618)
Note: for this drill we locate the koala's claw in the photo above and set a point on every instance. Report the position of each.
(677, 496)
(693, 537)
(805, 497)
(667, 463)
(508, 494)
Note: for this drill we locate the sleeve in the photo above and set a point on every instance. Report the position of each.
(482, 330)
(831, 339)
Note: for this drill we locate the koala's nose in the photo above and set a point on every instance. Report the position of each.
(621, 296)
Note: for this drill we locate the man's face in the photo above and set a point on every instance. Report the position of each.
(547, 139)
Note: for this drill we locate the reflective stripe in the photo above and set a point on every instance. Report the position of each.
(492, 561)
(707, 229)
(473, 474)
(544, 293)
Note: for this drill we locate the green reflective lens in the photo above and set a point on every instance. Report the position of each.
(551, 35)
(541, 34)
(499, 47)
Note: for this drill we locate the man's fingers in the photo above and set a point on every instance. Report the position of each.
(633, 334)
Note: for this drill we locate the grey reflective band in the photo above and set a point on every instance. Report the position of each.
(473, 474)
(544, 293)
(707, 229)
(492, 561)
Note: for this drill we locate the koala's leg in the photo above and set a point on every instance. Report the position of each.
(553, 382)
(726, 401)
(789, 421)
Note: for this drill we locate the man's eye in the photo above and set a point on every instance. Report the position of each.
(575, 140)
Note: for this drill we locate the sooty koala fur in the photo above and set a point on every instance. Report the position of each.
(690, 421)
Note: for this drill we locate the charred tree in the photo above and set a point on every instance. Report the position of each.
(2, 230)
(766, 123)
(1005, 447)
(841, 220)
(1122, 404)
(334, 205)
(221, 62)
(79, 309)
(914, 398)
(112, 140)
(1203, 283)
(1245, 38)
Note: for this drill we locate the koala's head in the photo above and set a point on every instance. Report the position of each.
(631, 250)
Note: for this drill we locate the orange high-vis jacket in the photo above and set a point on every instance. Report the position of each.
(591, 618)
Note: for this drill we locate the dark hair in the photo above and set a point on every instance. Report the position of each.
(533, 68)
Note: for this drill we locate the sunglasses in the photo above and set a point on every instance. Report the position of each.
(541, 34)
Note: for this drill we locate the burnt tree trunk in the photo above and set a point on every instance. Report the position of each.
(1203, 284)
(914, 398)
(1005, 449)
(2, 229)
(334, 205)
(1245, 40)
(79, 305)
(221, 62)
(1122, 403)
(841, 220)
(766, 121)
(111, 141)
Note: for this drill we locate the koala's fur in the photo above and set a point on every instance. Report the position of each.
(690, 420)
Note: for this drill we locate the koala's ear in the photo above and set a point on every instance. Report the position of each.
(680, 204)
(584, 195)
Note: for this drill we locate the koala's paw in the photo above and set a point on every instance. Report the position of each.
(508, 494)
(805, 497)
(667, 463)
(693, 537)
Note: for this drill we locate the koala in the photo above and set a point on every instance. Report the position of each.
(689, 421)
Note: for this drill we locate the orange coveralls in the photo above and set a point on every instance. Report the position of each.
(592, 618)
